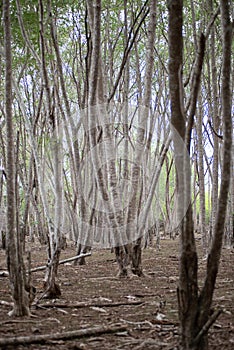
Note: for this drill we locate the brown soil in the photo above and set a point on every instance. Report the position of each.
(147, 306)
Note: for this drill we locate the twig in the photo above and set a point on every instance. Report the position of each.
(88, 332)
(40, 268)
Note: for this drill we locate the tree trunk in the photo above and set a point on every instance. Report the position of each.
(123, 253)
(201, 179)
(206, 295)
(81, 250)
(194, 308)
(135, 204)
(52, 289)
(214, 112)
(187, 291)
(14, 251)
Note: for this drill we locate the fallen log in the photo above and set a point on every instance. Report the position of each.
(40, 268)
(81, 333)
(92, 304)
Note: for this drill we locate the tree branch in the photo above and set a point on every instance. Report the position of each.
(40, 268)
(195, 88)
(42, 338)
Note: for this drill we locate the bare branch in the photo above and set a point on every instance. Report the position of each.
(92, 304)
(40, 268)
(42, 338)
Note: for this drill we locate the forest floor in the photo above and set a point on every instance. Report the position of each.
(127, 313)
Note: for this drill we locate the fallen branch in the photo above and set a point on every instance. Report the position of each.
(84, 304)
(146, 322)
(6, 303)
(30, 321)
(42, 338)
(40, 268)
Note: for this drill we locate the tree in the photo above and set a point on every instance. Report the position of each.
(14, 246)
(195, 314)
(141, 140)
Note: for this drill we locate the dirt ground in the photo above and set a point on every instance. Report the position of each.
(92, 296)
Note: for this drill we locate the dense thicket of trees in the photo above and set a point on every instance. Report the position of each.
(117, 110)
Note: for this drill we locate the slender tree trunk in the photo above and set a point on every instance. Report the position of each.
(52, 289)
(201, 180)
(232, 202)
(206, 295)
(135, 204)
(123, 253)
(215, 125)
(187, 289)
(99, 122)
(15, 261)
(195, 308)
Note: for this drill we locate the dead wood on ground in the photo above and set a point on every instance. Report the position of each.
(42, 338)
(92, 304)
